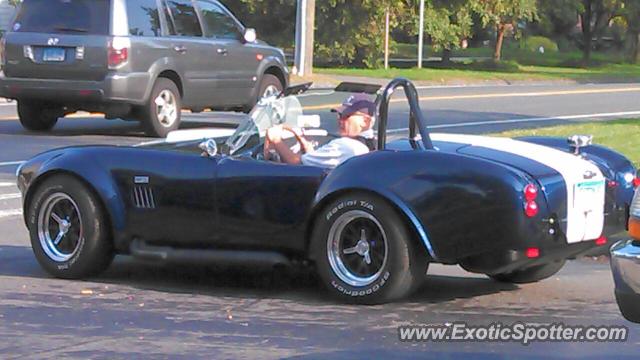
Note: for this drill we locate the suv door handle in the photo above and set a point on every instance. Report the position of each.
(180, 49)
(223, 51)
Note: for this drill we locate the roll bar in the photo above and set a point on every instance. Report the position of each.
(417, 122)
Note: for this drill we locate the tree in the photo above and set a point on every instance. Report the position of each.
(557, 19)
(631, 15)
(447, 23)
(504, 15)
(274, 20)
(595, 15)
(353, 31)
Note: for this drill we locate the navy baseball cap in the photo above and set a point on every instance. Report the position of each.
(356, 103)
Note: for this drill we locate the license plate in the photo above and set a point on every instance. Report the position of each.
(53, 54)
(589, 195)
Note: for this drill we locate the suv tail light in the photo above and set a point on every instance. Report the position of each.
(3, 47)
(118, 54)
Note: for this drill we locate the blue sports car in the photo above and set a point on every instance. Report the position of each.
(514, 209)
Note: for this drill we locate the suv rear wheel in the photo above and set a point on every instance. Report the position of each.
(269, 85)
(162, 113)
(36, 116)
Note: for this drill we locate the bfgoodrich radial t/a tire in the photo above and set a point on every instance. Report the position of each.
(363, 251)
(532, 274)
(68, 229)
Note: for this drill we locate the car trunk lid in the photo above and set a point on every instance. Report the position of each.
(584, 183)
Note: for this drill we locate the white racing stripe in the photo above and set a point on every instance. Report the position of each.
(526, 120)
(10, 213)
(10, 196)
(585, 219)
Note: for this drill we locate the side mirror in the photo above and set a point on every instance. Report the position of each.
(250, 35)
(209, 148)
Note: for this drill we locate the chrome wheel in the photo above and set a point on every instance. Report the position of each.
(357, 248)
(60, 227)
(166, 108)
(271, 90)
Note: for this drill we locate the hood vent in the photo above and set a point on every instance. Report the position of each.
(143, 197)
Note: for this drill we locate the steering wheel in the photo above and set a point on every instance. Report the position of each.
(267, 143)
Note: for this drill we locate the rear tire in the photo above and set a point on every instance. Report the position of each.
(163, 112)
(64, 205)
(35, 116)
(530, 275)
(384, 267)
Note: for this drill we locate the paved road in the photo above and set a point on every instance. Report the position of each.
(150, 311)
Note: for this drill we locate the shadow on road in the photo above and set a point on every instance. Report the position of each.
(301, 285)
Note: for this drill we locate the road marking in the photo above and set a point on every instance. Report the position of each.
(7, 184)
(515, 121)
(11, 163)
(9, 213)
(10, 196)
(498, 95)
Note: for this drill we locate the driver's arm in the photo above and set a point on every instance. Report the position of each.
(274, 135)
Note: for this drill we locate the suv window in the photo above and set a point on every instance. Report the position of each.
(64, 16)
(218, 24)
(143, 18)
(184, 18)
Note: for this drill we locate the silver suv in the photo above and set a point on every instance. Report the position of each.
(133, 59)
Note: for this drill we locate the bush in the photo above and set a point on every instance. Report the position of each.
(492, 65)
(534, 43)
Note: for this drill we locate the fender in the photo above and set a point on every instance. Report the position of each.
(90, 172)
(442, 174)
(163, 64)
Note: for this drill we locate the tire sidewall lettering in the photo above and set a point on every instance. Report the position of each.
(360, 292)
(346, 205)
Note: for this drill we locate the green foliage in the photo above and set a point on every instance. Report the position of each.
(534, 43)
(352, 32)
(274, 20)
(447, 23)
(503, 12)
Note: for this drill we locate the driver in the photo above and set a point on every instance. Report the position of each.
(355, 123)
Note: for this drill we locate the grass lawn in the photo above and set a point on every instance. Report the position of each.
(621, 135)
(518, 65)
(610, 72)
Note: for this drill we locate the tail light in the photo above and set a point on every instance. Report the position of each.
(602, 240)
(531, 209)
(532, 253)
(530, 195)
(636, 182)
(118, 54)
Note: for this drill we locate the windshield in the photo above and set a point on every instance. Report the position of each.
(311, 109)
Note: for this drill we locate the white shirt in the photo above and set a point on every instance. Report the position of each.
(336, 152)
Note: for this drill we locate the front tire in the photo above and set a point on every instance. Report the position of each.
(35, 116)
(163, 112)
(363, 251)
(68, 229)
(530, 275)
